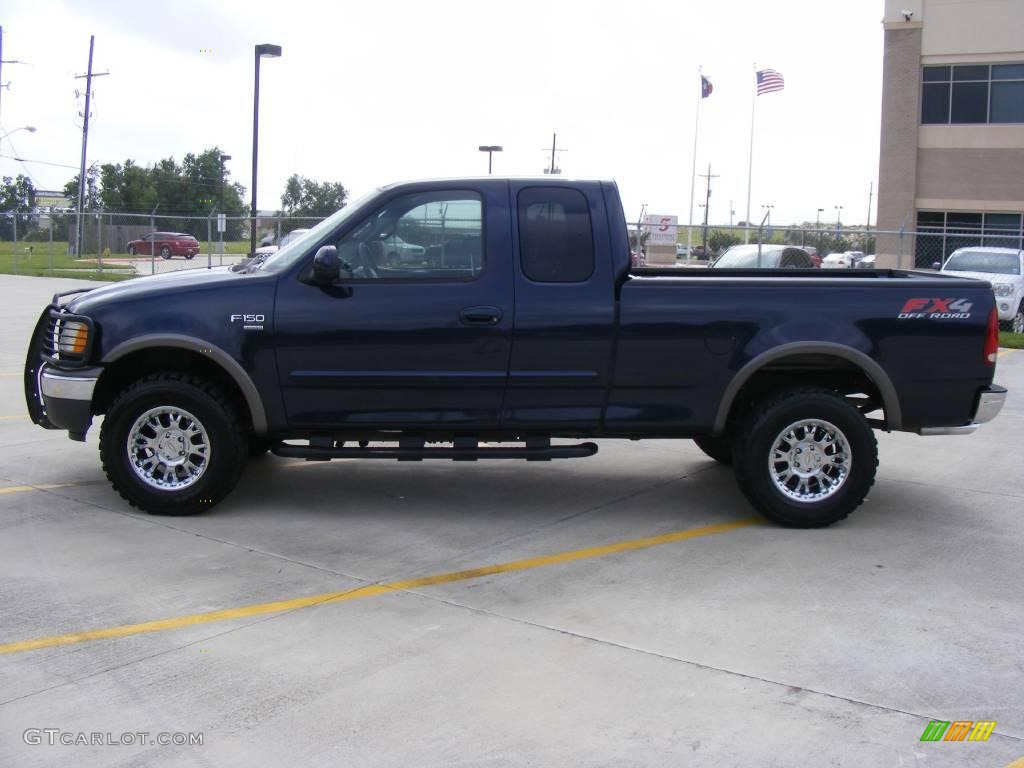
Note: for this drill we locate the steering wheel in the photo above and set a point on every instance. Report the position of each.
(364, 266)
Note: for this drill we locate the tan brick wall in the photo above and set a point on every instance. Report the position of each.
(901, 109)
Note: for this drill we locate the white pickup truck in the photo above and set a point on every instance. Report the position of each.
(1004, 268)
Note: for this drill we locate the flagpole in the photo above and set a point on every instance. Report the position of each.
(750, 167)
(693, 167)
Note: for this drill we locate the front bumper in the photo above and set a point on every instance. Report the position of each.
(987, 407)
(67, 399)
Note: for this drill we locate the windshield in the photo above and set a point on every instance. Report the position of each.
(745, 257)
(981, 261)
(294, 249)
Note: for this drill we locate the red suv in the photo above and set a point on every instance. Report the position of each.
(167, 244)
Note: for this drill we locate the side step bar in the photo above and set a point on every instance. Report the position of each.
(529, 452)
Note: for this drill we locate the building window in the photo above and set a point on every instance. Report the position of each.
(939, 233)
(972, 93)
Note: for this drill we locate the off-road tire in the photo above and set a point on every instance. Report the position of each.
(165, 252)
(754, 442)
(718, 448)
(131, 250)
(219, 417)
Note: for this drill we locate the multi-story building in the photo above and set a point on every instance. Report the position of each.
(952, 134)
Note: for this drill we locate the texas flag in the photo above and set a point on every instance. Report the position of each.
(705, 87)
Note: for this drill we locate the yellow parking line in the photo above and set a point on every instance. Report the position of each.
(6, 374)
(371, 590)
(40, 487)
(1005, 351)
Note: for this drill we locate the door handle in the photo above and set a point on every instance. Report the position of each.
(480, 316)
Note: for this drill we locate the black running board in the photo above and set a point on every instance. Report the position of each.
(582, 450)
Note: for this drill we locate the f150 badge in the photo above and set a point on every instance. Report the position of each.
(249, 322)
(936, 309)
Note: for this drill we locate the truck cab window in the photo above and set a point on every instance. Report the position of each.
(555, 240)
(422, 236)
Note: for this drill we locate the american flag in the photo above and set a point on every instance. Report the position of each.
(705, 87)
(769, 80)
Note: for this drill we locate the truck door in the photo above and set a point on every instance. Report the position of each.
(564, 307)
(416, 342)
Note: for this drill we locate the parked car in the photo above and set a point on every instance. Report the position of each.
(855, 257)
(754, 256)
(272, 248)
(167, 244)
(868, 262)
(813, 253)
(837, 261)
(397, 251)
(318, 353)
(1004, 268)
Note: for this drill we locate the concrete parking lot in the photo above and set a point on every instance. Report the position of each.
(623, 610)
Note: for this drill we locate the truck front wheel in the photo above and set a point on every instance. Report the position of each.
(805, 458)
(172, 444)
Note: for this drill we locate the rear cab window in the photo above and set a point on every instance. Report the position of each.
(556, 242)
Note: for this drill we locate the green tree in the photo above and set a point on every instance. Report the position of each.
(92, 189)
(191, 190)
(719, 240)
(18, 199)
(127, 188)
(308, 198)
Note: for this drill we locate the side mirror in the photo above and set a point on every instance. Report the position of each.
(936, 266)
(326, 265)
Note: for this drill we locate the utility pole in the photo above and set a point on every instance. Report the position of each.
(553, 168)
(85, 140)
(732, 212)
(707, 204)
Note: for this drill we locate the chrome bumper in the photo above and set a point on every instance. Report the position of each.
(63, 387)
(990, 403)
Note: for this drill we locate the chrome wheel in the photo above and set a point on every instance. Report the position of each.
(1018, 321)
(810, 460)
(168, 448)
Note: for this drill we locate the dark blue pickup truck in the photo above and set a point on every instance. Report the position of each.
(484, 318)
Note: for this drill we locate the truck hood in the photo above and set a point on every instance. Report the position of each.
(989, 277)
(158, 286)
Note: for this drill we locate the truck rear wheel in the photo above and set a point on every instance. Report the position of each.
(172, 444)
(718, 448)
(805, 458)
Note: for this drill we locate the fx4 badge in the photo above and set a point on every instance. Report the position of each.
(936, 309)
(249, 322)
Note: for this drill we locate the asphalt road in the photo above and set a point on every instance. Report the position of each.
(626, 610)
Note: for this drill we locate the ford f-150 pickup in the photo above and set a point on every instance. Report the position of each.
(518, 324)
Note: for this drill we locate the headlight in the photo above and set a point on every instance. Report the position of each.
(1003, 289)
(74, 337)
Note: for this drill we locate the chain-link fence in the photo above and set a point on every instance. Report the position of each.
(903, 249)
(122, 245)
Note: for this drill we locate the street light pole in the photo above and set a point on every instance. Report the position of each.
(490, 150)
(29, 128)
(817, 227)
(265, 49)
(839, 223)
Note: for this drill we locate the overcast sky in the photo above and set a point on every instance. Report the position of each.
(374, 92)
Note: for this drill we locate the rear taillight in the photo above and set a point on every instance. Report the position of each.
(991, 351)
